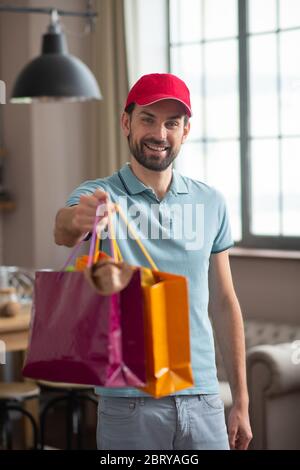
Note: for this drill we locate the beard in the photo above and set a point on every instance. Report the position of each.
(152, 162)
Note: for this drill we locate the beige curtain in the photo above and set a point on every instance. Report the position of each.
(109, 150)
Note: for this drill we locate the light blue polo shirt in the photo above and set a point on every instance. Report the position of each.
(180, 232)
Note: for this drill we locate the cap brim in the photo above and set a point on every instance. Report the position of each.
(155, 99)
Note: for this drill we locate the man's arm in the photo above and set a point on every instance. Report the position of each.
(72, 222)
(64, 231)
(228, 324)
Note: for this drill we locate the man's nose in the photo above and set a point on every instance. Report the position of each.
(161, 132)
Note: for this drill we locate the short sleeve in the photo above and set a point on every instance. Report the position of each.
(223, 239)
(88, 188)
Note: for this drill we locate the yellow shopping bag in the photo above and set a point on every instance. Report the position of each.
(167, 330)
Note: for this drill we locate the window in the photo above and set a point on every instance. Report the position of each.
(240, 59)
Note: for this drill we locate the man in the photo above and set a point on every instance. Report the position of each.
(156, 123)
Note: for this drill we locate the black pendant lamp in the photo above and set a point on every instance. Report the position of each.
(55, 75)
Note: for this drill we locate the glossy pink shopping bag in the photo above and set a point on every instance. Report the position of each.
(80, 336)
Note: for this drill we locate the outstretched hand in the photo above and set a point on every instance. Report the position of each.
(85, 211)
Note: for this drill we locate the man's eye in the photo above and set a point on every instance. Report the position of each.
(148, 120)
(172, 124)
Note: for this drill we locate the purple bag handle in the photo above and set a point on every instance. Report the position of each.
(94, 235)
(74, 251)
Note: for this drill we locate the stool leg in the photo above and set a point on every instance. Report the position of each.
(74, 417)
(81, 415)
(8, 431)
(30, 417)
(44, 415)
(79, 412)
(2, 427)
(5, 429)
(70, 417)
(89, 398)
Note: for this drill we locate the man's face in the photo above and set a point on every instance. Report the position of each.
(155, 133)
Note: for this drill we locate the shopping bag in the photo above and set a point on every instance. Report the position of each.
(168, 360)
(80, 336)
(167, 330)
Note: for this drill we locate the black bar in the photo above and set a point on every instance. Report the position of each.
(140, 459)
(48, 11)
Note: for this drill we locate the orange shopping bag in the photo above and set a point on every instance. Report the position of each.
(167, 330)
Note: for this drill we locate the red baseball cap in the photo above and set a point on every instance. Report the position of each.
(155, 87)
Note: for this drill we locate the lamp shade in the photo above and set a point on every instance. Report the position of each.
(55, 75)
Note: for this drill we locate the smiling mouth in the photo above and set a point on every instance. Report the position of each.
(156, 148)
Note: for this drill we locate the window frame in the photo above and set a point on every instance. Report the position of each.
(248, 239)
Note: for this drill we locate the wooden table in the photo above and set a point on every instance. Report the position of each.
(14, 332)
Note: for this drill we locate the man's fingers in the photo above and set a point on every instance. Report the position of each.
(232, 438)
(89, 201)
(240, 440)
(89, 206)
(243, 440)
(93, 200)
(242, 444)
(101, 196)
(83, 221)
(102, 210)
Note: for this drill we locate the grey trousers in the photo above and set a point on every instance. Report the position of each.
(189, 422)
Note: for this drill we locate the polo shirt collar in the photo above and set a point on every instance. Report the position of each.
(132, 183)
(135, 186)
(178, 184)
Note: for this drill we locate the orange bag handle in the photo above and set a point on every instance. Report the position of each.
(115, 246)
(117, 255)
(93, 251)
(136, 238)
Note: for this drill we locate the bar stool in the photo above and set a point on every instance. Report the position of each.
(74, 395)
(12, 397)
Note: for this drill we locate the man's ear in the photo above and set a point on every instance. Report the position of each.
(186, 131)
(125, 123)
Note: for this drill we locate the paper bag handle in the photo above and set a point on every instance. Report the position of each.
(136, 238)
(114, 247)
